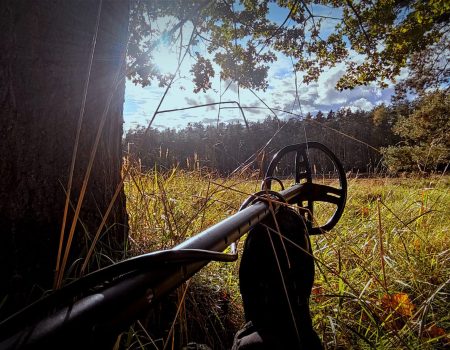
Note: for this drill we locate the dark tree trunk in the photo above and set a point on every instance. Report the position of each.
(45, 53)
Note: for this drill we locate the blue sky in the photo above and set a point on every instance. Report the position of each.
(141, 103)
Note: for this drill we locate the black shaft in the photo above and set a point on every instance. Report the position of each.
(117, 305)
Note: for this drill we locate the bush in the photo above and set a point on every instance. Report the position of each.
(416, 158)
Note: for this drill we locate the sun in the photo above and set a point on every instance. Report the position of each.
(165, 58)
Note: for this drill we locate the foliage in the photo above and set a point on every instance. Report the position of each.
(354, 305)
(425, 130)
(374, 39)
(415, 158)
(428, 70)
(226, 147)
(429, 122)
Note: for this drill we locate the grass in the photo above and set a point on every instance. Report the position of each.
(382, 275)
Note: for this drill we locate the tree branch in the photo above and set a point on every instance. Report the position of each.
(360, 23)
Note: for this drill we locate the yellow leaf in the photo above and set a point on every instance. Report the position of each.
(399, 302)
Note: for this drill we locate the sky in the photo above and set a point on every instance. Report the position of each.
(141, 103)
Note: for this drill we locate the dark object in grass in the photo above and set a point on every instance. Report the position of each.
(276, 277)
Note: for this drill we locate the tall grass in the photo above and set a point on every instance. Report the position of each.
(382, 275)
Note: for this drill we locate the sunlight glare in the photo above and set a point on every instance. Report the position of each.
(166, 58)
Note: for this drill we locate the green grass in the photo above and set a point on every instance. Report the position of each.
(382, 275)
(383, 272)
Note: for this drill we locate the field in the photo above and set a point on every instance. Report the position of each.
(382, 275)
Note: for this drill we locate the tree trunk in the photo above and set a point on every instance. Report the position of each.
(46, 49)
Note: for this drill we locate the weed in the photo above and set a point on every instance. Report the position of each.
(382, 274)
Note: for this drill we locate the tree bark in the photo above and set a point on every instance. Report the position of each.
(46, 47)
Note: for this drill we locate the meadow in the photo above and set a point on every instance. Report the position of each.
(382, 274)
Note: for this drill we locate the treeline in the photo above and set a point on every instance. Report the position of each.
(360, 139)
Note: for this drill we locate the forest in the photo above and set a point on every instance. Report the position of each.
(412, 136)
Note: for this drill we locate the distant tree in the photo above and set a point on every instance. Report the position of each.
(225, 147)
(320, 117)
(330, 115)
(425, 132)
(383, 119)
(381, 115)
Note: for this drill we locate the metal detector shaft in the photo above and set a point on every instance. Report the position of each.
(221, 235)
(103, 314)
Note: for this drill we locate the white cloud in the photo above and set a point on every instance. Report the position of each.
(362, 104)
(141, 103)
